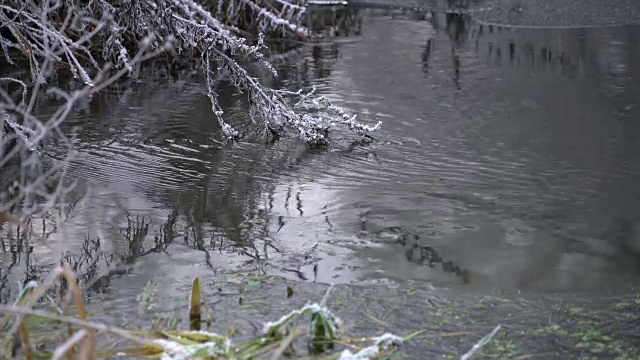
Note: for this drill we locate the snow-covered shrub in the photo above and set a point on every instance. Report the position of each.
(215, 31)
(99, 41)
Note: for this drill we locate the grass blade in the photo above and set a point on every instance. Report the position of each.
(24, 334)
(195, 308)
(484, 341)
(87, 348)
(68, 345)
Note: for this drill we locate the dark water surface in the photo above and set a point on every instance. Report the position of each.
(507, 160)
(518, 160)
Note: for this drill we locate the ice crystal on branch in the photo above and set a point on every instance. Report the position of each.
(82, 36)
(100, 41)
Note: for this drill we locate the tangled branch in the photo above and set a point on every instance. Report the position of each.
(93, 41)
(71, 32)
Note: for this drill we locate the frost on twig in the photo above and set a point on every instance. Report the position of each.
(371, 352)
(43, 34)
(81, 37)
(97, 42)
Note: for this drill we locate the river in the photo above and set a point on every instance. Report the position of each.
(507, 160)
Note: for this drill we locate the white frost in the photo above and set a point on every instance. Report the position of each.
(381, 343)
(176, 351)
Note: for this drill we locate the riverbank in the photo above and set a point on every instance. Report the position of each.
(434, 323)
(533, 326)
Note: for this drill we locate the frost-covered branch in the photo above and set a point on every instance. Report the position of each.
(29, 181)
(82, 36)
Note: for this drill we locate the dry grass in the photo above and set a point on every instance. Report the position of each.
(33, 313)
(35, 318)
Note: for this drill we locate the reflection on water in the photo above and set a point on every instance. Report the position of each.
(506, 160)
(523, 174)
